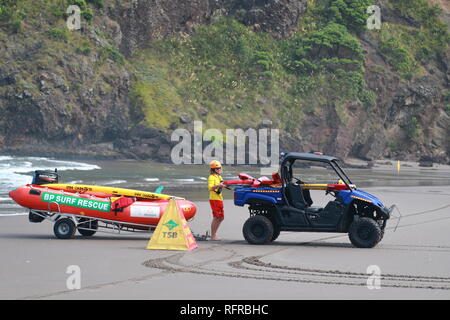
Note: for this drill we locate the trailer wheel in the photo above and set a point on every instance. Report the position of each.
(93, 224)
(64, 228)
(365, 233)
(32, 217)
(258, 230)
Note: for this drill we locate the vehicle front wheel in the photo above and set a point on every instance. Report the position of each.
(276, 232)
(258, 230)
(64, 228)
(381, 235)
(364, 233)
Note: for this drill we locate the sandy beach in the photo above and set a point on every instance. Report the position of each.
(413, 261)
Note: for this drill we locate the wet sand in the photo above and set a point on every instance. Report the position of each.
(414, 261)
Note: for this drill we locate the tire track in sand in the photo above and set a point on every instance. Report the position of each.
(253, 268)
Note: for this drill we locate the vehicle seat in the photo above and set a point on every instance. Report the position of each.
(307, 197)
(294, 194)
(314, 209)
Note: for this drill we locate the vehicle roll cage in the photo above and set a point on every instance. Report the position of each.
(288, 160)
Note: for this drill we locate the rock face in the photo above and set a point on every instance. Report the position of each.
(56, 101)
(60, 102)
(384, 131)
(143, 20)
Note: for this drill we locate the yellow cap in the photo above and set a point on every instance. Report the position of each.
(215, 164)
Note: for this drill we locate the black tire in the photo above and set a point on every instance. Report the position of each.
(364, 233)
(381, 235)
(64, 228)
(258, 230)
(88, 224)
(276, 232)
(34, 218)
(382, 227)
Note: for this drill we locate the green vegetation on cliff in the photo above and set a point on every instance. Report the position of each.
(408, 48)
(349, 13)
(327, 74)
(68, 79)
(226, 72)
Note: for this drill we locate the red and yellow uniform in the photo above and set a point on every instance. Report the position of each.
(215, 196)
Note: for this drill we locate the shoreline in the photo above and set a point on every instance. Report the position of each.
(349, 162)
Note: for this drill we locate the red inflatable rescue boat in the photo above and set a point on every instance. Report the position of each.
(89, 211)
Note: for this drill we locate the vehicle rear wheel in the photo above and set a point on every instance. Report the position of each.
(258, 230)
(364, 233)
(92, 224)
(64, 228)
(381, 235)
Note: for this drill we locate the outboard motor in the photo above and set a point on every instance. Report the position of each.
(45, 177)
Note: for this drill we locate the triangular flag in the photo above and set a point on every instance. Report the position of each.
(172, 232)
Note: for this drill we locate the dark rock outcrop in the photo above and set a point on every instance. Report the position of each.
(143, 20)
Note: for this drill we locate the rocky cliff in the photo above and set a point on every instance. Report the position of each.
(139, 69)
(143, 21)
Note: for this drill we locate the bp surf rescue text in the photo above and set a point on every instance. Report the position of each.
(76, 202)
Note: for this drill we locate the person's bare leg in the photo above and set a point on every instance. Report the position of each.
(214, 227)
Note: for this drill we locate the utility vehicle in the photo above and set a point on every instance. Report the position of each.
(285, 204)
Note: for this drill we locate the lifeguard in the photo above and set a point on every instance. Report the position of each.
(215, 186)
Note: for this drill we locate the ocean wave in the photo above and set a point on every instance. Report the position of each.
(114, 182)
(12, 214)
(151, 179)
(61, 166)
(75, 182)
(12, 205)
(38, 158)
(27, 164)
(3, 199)
(16, 171)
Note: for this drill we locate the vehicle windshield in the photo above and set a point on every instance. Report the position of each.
(341, 173)
(318, 172)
